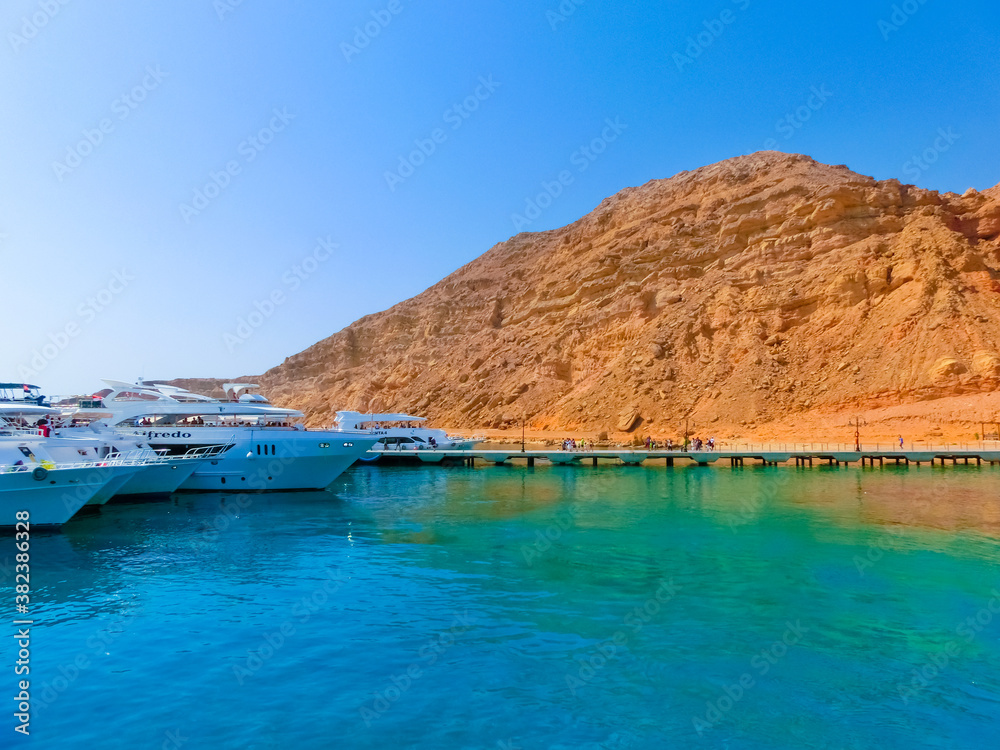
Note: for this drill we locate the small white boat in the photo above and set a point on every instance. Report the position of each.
(400, 432)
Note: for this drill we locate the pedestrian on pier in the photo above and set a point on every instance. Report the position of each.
(901, 442)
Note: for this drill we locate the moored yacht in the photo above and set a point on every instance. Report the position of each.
(52, 491)
(266, 447)
(79, 440)
(400, 432)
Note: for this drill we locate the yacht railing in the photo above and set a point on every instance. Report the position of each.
(53, 466)
(208, 451)
(163, 454)
(217, 426)
(9, 430)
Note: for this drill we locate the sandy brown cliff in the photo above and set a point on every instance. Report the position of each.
(760, 289)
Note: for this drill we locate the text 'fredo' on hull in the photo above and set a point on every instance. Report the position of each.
(266, 447)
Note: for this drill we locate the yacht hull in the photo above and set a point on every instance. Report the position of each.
(160, 479)
(269, 475)
(260, 460)
(114, 485)
(54, 499)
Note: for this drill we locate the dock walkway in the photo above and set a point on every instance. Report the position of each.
(804, 457)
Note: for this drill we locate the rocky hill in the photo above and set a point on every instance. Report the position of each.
(737, 295)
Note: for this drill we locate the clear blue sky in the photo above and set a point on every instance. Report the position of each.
(181, 87)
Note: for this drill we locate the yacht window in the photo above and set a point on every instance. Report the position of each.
(417, 439)
(273, 452)
(258, 449)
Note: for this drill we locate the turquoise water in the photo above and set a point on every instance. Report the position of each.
(507, 607)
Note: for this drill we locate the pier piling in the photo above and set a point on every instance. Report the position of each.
(736, 458)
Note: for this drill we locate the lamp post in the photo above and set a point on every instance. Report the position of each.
(857, 424)
(522, 431)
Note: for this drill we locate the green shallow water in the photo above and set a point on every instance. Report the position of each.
(555, 607)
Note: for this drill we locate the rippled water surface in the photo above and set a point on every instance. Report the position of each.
(508, 607)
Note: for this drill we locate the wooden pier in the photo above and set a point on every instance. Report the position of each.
(735, 458)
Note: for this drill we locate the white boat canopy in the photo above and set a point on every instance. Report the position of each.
(25, 409)
(351, 419)
(129, 401)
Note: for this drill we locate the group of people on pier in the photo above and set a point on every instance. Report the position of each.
(695, 444)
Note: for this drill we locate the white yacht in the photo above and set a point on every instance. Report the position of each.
(400, 432)
(154, 473)
(53, 478)
(266, 447)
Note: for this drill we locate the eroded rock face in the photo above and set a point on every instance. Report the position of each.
(743, 292)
